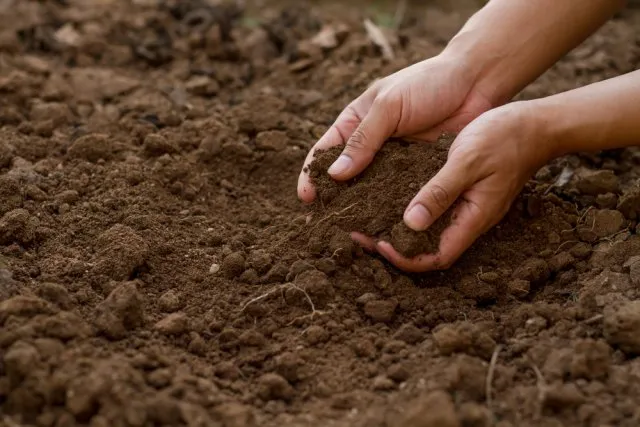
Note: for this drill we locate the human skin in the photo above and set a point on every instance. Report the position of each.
(498, 52)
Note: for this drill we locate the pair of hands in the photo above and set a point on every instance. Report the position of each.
(495, 153)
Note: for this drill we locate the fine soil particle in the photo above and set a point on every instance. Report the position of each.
(157, 269)
(373, 203)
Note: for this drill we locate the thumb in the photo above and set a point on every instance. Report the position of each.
(379, 124)
(437, 195)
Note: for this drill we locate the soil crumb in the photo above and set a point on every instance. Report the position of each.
(374, 202)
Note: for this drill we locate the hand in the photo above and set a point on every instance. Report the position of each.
(417, 103)
(488, 164)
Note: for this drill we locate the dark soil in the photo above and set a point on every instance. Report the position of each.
(157, 269)
(373, 203)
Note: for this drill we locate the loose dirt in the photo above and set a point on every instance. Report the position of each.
(157, 269)
(374, 202)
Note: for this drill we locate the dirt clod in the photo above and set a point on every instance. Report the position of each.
(316, 335)
(233, 265)
(24, 306)
(122, 252)
(629, 202)
(591, 359)
(92, 147)
(409, 334)
(622, 327)
(594, 182)
(534, 270)
(156, 145)
(601, 223)
(561, 261)
(435, 409)
(562, 396)
(519, 288)
(170, 301)
(173, 324)
(463, 337)
(274, 387)
(120, 312)
(380, 310)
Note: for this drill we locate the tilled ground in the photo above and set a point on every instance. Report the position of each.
(156, 267)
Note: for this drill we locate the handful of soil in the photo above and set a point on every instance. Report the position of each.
(374, 202)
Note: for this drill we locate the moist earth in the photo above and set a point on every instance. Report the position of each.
(156, 267)
(374, 202)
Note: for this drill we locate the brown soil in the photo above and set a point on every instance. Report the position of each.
(374, 202)
(157, 269)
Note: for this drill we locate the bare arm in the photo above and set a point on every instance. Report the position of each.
(597, 117)
(509, 43)
(495, 155)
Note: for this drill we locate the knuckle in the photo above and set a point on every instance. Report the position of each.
(439, 196)
(358, 140)
(444, 263)
(387, 99)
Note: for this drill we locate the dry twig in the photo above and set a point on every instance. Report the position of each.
(379, 39)
(401, 11)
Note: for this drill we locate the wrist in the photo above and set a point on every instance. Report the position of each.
(554, 124)
(537, 126)
(479, 62)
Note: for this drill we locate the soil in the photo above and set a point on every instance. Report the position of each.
(374, 202)
(157, 269)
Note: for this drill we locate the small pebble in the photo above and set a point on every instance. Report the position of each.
(215, 268)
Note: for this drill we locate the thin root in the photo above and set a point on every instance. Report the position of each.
(541, 384)
(579, 222)
(261, 297)
(282, 288)
(563, 244)
(594, 319)
(491, 372)
(331, 215)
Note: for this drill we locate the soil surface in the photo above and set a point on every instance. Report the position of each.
(157, 269)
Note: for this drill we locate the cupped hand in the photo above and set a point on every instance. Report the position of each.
(488, 164)
(418, 103)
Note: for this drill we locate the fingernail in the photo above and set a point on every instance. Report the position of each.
(417, 217)
(341, 165)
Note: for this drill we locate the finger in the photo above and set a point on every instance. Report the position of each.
(417, 264)
(337, 134)
(471, 219)
(457, 121)
(438, 195)
(364, 241)
(378, 125)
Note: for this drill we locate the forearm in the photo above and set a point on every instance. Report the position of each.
(600, 116)
(509, 43)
